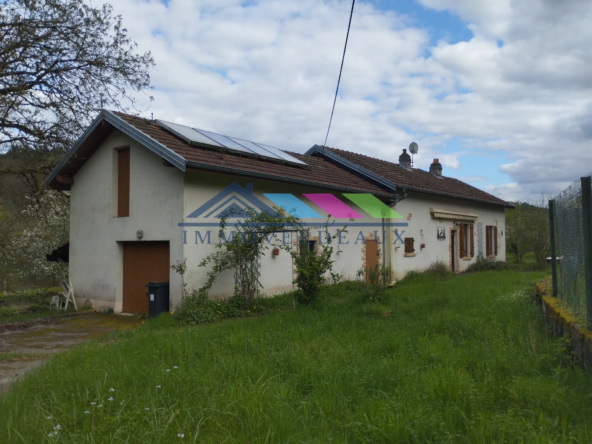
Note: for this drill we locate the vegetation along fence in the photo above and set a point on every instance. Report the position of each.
(570, 217)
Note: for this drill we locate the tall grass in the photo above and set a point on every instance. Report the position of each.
(27, 304)
(460, 359)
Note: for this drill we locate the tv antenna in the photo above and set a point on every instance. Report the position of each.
(413, 147)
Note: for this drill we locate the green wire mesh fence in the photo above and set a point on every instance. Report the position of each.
(570, 249)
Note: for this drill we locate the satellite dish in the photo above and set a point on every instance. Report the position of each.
(413, 147)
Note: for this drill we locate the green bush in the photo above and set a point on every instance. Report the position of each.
(311, 269)
(439, 271)
(488, 265)
(378, 280)
(493, 265)
(197, 308)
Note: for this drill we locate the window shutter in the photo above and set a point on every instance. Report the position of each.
(495, 240)
(409, 248)
(462, 240)
(487, 241)
(123, 182)
(472, 240)
(412, 245)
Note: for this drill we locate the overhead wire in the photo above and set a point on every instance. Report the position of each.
(340, 71)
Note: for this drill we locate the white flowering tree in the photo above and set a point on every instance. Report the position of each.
(49, 213)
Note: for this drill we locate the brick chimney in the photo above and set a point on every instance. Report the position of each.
(436, 168)
(405, 160)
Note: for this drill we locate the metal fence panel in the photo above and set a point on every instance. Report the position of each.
(570, 239)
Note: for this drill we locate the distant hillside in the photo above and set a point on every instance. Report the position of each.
(15, 188)
(22, 173)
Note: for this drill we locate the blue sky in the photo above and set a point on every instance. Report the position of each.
(430, 71)
(441, 25)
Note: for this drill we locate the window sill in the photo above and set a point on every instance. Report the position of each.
(492, 256)
(410, 255)
(467, 258)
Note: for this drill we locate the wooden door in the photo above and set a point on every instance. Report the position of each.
(143, 262)
(371, 257)
(453, 261)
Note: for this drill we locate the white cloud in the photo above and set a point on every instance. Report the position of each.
(267, 71)
(510, 192)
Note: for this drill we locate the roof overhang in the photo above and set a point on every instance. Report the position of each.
(352, 167)
(195, 166)
(98, 131)
(461, 216)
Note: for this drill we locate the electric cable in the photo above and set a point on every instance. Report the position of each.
(340, 71)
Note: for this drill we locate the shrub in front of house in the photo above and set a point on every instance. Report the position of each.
(197, 308)
(437, 269)
(378, 281)
(488, 265)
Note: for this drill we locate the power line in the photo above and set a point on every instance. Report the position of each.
(340, 70)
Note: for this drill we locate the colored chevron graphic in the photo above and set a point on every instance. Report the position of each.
(292, 205)
(373, 206)
(333, 206)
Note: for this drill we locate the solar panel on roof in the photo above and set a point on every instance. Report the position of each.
(255, 148)
(240, 146)
(281, 154)
(225, 141)
(187, 134)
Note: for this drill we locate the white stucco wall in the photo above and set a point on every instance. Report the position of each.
(415, 209)
(276, 271)
(156, 205)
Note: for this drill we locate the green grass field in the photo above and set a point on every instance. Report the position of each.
(460, 359)
(28, 304)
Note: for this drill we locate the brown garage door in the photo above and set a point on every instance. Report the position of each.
(143, 262)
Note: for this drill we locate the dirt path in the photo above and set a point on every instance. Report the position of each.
(34, 345)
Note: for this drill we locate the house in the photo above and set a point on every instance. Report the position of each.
(147, 193)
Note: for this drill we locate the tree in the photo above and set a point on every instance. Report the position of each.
(527, 230)
(60, 62)
(515, 231)
(23, 251)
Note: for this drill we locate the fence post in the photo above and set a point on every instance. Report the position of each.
(587, 228)
(553, 252)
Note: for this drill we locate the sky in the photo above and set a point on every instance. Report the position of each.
(498, 90)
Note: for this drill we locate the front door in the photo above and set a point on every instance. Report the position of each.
(453, 261)
(143, 262)
(371, 258)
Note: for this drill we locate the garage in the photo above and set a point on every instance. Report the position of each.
(143, 262)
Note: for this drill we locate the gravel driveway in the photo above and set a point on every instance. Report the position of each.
(34, 344)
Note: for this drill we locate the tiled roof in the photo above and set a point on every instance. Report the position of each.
(319, 171)
(322, 171)
(419, 180)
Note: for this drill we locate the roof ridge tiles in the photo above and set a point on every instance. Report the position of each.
(416, 178)
(419, 170)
